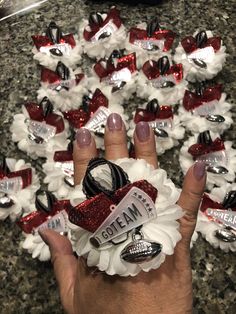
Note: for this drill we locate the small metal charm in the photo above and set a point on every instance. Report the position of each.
(160, 133)
(217, 169)
(140, 250)
(215, 118)
(56, 52)
(200, 63)
(225, 235)
(5, 201)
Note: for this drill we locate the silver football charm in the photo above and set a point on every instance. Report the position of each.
(140, 250)
(225, 235)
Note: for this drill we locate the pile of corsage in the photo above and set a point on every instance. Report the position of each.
(126, 216)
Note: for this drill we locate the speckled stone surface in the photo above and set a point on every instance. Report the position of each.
(28, 286)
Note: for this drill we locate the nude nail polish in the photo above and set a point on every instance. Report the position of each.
(83, 137)
(114, 122)
(199, 170)
(142, 131)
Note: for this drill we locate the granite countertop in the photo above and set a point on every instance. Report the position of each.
(27, 285)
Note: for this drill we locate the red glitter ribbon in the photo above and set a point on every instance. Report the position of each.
(128, 61)
(112, 16)
(51, 77)
(152, 71)
(36, 218)
(193, 100)
(197, 150)
(90, 214)
(36, 113)
(42, 41)
(141, 34)
(189, 43)
(63, 156)
(25, 174)
(79, 117)
(165, 112)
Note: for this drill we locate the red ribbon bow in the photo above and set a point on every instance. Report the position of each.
(197, 150)
(36, 218)
(113, 15)
(141, 34)
(193, 100)
(51, 77)
(128, 61)
(78, 118)
(42, 41)
(35, 112)
(165, 112)
(152, 72)
(25, 174)
(189, 43)
(90, 214)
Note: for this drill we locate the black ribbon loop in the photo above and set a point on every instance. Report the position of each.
(49, 198)
(153, 106)
(95, 19)
(230, 200)
(163, 65)
(204, 138)
(47, 106)
(62, 71)
(54, 33)
(3, 165)
(91, 187)
(152, 27)
(201, 39)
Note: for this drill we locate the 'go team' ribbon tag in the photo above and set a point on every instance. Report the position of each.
(135, 209)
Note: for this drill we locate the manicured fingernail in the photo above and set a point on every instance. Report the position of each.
(199, 170)
(114, 122)
(43, 234)
(142, 131)
(83, 137)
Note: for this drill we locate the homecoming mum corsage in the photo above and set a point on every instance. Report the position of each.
(39, 130)
(54, 46)
(50, 214)
(126, 216)
(18, 184)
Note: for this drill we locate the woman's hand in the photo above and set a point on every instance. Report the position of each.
(165, 290)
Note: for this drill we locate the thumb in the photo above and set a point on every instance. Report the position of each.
(64, 264)
(190, 198)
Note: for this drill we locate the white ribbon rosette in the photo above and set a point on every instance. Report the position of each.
(138, 232)
(202, 56)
